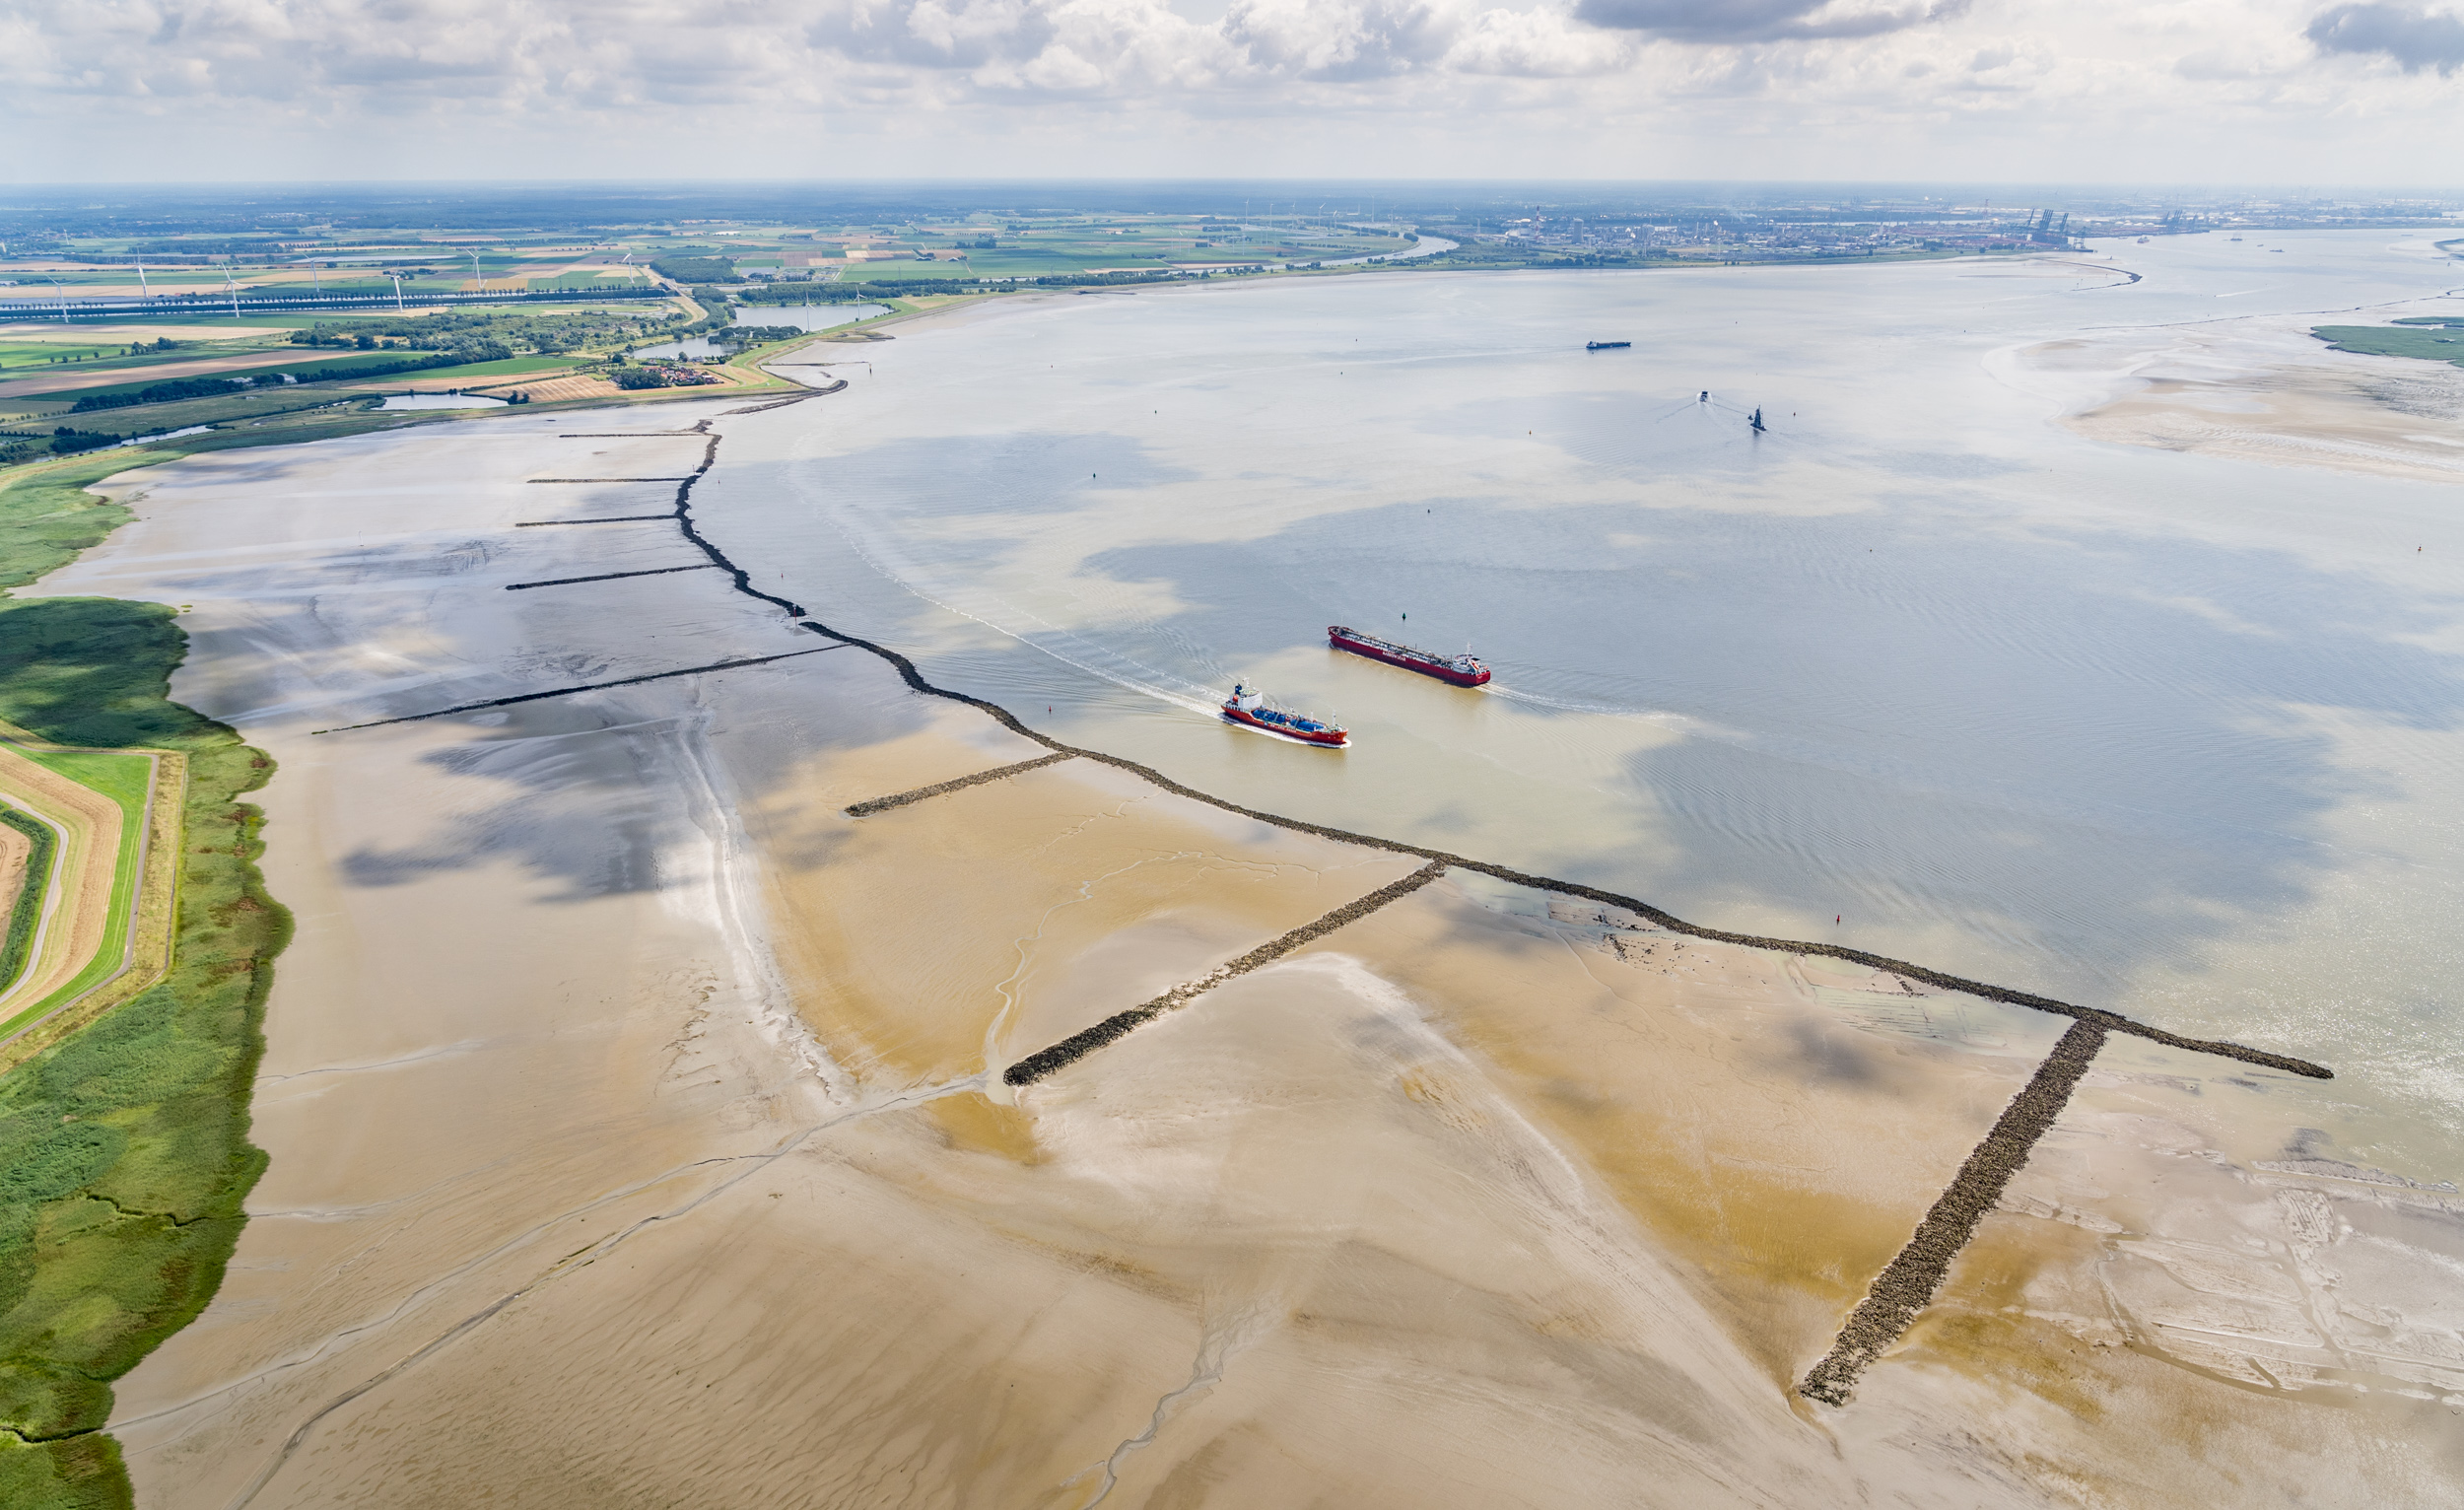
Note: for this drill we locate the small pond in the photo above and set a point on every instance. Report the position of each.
(801, 317)
(441, 401)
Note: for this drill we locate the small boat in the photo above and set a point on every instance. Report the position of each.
(1247, 707)
(1605, 345)
(1755, 424)
(1462, 670)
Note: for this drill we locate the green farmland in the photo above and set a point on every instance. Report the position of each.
(126, 778)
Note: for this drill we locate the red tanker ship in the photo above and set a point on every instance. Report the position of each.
(1462, 670)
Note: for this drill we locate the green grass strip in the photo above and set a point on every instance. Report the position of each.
(2431, 343)
(124, 1152)
(27, 911)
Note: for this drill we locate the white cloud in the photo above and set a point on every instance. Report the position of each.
(1537, 45)
(2002, 88)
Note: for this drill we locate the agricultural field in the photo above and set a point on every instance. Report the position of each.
(193, 382)
(81, 914)
(18, 354)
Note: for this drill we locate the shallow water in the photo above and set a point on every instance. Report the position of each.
(2156, 732)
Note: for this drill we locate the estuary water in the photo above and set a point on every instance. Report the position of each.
(2150, 730)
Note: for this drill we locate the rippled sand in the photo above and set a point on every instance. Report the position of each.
(637, 1133)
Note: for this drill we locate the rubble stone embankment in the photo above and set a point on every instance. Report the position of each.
(1078, 1046)
(1906, 1285)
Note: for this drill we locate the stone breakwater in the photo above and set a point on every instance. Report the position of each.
(2111, 1022)
(1078, 1046)
(943, 788)
(622, 681)
(1906, 1285)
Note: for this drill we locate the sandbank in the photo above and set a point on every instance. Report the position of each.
(2262, 390)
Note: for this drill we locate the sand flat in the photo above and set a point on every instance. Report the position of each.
(1084, 890)
(1785, 1143)
(2174, 1292)
(2263, 391)
(636, 1136)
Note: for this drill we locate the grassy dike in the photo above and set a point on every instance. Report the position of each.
(25, 913)
(124, 1151)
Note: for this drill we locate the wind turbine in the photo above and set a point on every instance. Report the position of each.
(148, 288)
(61, 295)
(231, 286)
(397, 290)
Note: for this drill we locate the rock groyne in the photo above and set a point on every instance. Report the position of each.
(942, 789)
(1078, 1046)
(1906, 1285)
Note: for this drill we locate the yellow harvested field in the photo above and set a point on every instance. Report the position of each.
(82, 912)
(558, 389)
(14, 849)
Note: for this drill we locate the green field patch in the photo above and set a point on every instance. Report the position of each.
(24, 358)
(587, 280)
(1030, 262)
(306, 369)
(126, 778)
(2421, 340)
(124, 1157)
(512, 366)
(904, 272)
(242, 404)
(46, 515)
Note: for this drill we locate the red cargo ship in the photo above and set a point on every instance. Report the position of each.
(1462, 670)
(1247, 707)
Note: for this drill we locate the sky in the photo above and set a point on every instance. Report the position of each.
(2314, 94)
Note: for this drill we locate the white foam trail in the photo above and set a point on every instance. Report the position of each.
(1146, 680)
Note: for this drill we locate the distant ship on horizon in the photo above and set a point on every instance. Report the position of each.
(1605, 345)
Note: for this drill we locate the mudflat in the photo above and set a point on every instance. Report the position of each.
(638, 1132)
